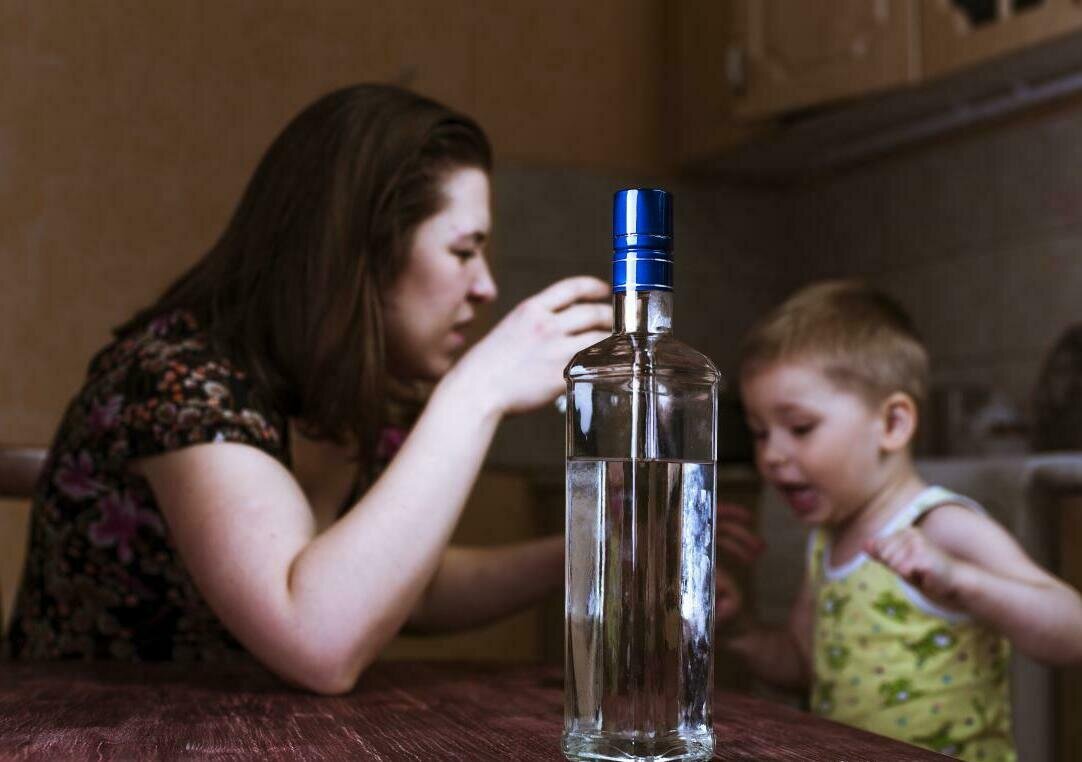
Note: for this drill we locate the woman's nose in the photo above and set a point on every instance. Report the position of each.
(483, 288)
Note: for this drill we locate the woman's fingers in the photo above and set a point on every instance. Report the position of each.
(563, 293)
(574, 344)
(521, 360)
(585, 316)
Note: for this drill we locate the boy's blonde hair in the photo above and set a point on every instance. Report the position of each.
(861, 339)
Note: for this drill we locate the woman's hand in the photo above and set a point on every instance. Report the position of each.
(519, 365)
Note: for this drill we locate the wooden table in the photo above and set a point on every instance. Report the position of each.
(400, 711)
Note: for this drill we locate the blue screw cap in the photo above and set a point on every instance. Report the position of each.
(642, 240)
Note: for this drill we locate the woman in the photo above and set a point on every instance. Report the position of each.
(216, 486)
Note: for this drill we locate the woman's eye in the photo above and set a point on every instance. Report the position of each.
(803, 429)
(759, 435)
(464, 253)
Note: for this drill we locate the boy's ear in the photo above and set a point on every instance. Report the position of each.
(899, 417)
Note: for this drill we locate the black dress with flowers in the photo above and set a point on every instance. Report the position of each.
(102, 578)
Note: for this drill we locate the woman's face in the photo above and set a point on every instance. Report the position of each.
(446, 277)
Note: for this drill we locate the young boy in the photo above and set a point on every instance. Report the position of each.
(912, 596)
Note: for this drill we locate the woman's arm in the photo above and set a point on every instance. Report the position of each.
(473, 586)
(969, 563)
(511, 576)
(317, 608)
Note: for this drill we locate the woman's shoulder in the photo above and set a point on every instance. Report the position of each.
(169, 386)
(169, 342)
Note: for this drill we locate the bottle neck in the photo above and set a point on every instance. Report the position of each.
(643, 312)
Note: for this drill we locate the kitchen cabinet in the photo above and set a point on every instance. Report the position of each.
(748, 68)
(709, 79)
(794, 54)
(959, 33)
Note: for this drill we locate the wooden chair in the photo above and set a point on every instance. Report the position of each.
(19, 470)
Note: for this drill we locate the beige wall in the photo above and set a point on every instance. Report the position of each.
(127, 131)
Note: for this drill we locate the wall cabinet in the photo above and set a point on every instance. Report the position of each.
(742, 64)
(795, 54)
(709, 79)
(959, 33)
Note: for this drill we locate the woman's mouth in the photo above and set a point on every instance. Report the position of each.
(459, 332)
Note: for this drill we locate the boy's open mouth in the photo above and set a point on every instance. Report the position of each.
(802, 498)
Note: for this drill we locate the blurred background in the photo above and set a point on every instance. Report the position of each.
(931, 146)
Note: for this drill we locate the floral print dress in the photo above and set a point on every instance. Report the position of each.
(103, 579)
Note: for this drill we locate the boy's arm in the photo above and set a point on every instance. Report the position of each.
(779, 655)
(970, 563)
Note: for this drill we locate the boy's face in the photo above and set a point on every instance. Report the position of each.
(819, 445)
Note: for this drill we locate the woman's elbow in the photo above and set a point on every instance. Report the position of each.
(327, 685)
(325, 659)
(328, 673)
(330, 677)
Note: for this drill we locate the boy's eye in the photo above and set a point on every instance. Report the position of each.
(759, 435)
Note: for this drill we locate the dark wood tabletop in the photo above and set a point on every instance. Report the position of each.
(426, 712)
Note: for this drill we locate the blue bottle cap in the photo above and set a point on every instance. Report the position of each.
(642, 240)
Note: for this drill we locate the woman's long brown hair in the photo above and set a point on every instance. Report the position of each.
(293, 290)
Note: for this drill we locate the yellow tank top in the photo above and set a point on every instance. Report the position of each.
(888, 660)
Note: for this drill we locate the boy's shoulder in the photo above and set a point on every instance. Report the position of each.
(962, 531)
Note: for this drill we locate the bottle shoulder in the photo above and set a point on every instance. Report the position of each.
(625, 354)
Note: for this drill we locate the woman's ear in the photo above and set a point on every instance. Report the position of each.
(899, 418)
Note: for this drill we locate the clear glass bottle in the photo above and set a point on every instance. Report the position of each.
(641, 457)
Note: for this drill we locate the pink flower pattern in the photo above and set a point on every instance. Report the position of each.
(75, 476)
(104, 416)
(121, 518)
(103, 579)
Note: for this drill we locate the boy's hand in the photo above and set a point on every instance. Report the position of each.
(728, 600)
(916, 559)
(734, 535)
(738, 542)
